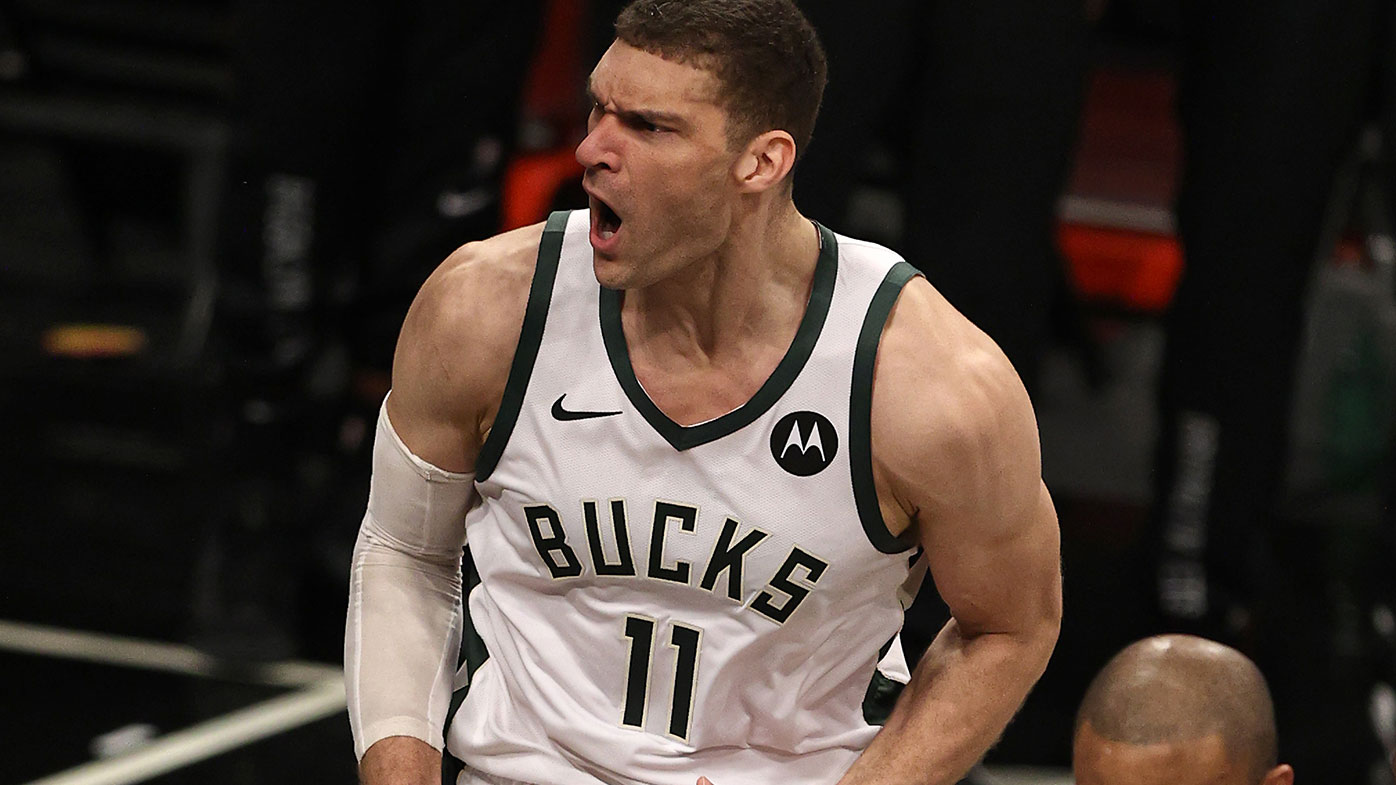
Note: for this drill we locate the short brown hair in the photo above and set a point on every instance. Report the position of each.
(764, 53)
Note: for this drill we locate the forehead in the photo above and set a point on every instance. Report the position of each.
(1204, 761)
(638, 80)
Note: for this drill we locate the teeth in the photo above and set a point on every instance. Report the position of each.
(607, 234)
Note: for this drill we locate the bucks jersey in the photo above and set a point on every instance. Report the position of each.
(663, 601)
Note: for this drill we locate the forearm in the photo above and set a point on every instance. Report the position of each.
(962, 694)
(400, 760)
(402, 638)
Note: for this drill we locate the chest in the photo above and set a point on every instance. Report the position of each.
(691, 392)
(745, 524)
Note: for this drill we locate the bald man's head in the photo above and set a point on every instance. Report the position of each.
(1177, 691)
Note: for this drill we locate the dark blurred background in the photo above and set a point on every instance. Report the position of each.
(1175, 217)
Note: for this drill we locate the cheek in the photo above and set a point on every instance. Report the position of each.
(686, 202)
(697, 175)
(709, 194)
(683, 205)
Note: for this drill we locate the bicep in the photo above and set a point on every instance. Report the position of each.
(983, 514)
(438, 381)
(454, 352)
(425, 429)
(997, 570)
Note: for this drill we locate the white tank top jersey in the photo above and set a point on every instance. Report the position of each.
(661, 601)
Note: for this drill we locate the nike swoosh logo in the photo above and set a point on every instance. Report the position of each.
(560, 413)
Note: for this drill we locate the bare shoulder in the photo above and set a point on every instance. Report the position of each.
(477, 297)
(952, 425)
(457, 343)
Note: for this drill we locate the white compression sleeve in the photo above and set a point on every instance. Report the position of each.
(403, 631)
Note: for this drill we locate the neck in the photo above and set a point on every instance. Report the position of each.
(755, 285)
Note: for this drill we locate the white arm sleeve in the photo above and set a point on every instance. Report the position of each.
(403, 631)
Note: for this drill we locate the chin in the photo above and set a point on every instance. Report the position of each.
(610, 273)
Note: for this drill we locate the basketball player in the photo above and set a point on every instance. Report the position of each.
(1181, 710)
(702, 449)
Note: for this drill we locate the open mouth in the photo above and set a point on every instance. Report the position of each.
(607, 221)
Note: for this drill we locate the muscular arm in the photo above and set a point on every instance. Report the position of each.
(405, 610)
(957, 462)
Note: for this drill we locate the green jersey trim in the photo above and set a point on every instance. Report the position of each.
(860, 410)
(472, 655)
(880, 698)
(683, 437)
(540, 294)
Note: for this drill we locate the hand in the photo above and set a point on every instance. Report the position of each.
(704, 781)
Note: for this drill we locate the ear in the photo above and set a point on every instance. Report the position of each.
(1282, 774)
(766, 161)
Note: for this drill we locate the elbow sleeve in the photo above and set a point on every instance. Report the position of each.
(403, 630)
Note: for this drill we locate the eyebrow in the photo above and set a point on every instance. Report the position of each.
(651, 116)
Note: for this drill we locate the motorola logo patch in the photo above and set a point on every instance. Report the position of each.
(804, 443)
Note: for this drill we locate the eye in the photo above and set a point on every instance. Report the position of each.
(646, 126)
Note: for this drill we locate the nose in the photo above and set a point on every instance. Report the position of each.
(598, 149)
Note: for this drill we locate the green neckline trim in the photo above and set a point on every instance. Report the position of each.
(683, 437)
(540, 294)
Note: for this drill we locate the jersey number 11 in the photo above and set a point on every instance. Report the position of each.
(684, 640)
